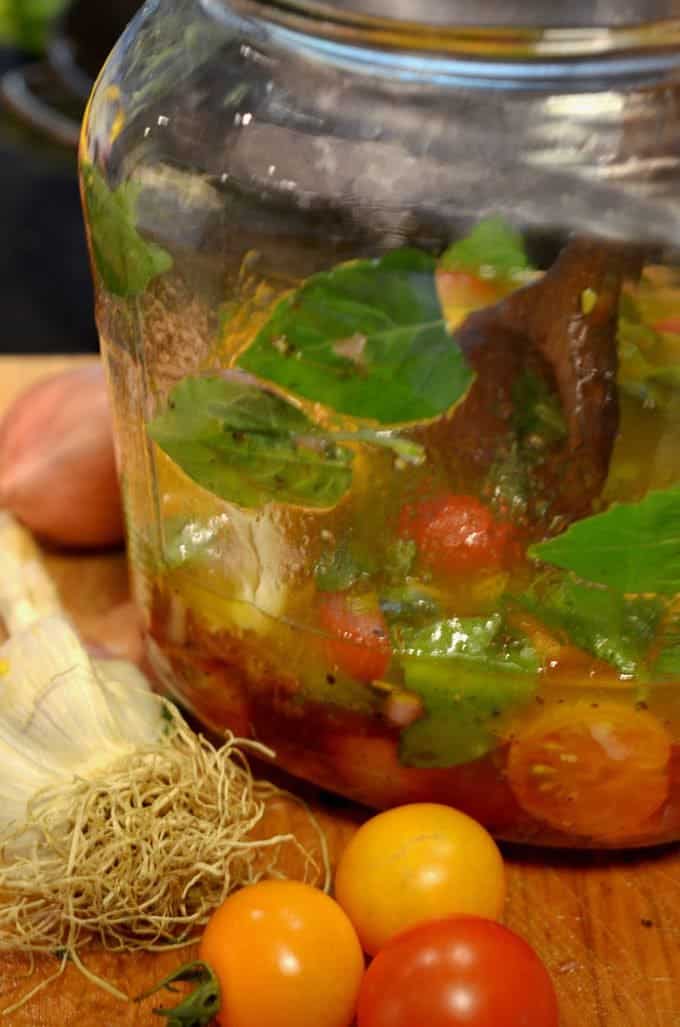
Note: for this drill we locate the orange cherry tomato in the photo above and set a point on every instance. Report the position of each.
(458, 535)
(416, 863)
(359, 643)
(285, 955)
(598, 770)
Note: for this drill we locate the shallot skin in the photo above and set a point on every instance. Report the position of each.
(57, 461)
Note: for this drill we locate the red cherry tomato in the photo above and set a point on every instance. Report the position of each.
(668, 324)
(359, 643)
(458, 535)
(458, 972)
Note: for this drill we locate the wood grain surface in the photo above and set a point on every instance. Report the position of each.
(607, 926)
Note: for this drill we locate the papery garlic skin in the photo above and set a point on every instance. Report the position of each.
(62, 714)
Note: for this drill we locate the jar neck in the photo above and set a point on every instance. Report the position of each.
(490, 30)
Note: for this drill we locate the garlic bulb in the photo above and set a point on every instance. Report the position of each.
(61, 713)
(117, 822)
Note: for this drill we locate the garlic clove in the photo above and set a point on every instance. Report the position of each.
(49, 695)
(134, 706)
(26, 590)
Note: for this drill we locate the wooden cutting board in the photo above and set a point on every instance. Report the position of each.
(607, 926)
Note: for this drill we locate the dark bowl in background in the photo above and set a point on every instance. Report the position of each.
(45, 286)
(84, 37)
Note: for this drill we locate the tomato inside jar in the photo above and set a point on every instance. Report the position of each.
(411, 538)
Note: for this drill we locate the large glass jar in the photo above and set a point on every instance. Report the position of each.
(390, 306)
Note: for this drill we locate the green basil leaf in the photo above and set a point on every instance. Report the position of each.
(461, 702)
(537, 411)
(467, 671)
(607, 624)
(493, 243)
(400, 556)
(667, 646)
(639, 374)
(250, 446)
(367, 339)
(125, 260)
(410, 605)
(472, 639)
(338, 570)
(631, 547)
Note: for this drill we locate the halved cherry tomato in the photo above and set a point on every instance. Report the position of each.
(284, 954)
(414, 863)
(458, 535)
(599, 770)
(359, 644)
(458, 972)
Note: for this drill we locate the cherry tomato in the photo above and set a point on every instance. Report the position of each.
(598, 770)
(285, 955)
(460, 971)
(668, 324)
(359, 645)
(664, 825)
(457, 535)
(415, 863)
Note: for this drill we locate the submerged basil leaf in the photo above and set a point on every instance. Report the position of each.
(631, 547)
(467, 671)
(486, 640)
(367, 339)
(250, 446)
(667, 646)
(409, 604)
(537, 411)
(400, 556)
(493, 243)
(125, 260)
(338, 570)
(607, 624)
(644, 369)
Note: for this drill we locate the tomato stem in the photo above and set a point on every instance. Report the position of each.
(200, 1006)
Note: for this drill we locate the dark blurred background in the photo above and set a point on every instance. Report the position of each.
(50, 52)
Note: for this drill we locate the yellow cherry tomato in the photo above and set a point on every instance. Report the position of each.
(285, 955)
(416, 863)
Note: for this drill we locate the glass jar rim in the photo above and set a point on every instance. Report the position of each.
(490, 14)
(530, 30)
